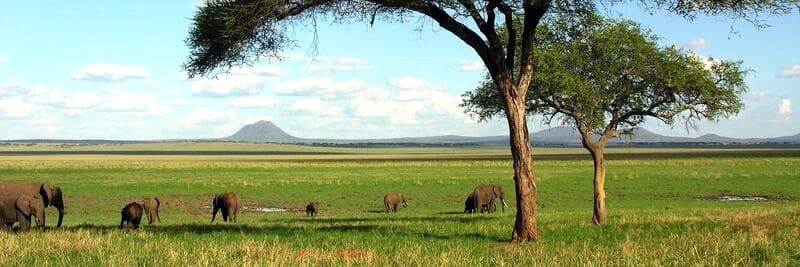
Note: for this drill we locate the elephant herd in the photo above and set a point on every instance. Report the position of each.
(21, 202)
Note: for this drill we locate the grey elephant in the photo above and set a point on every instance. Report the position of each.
(485, 195)
(228, 203)
(312, 209)
(132, 214)
(469, 203)
(50, 195)
(21, 208)
(392, 200)
(151, 207)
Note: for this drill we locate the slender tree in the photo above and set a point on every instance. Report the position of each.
(236, 32)
(604, 77)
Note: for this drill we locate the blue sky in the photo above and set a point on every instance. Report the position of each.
(112, 69)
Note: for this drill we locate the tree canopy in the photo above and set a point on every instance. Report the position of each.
(608, 75)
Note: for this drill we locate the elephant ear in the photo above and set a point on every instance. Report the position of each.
(498, 192)
(46, 190)
(23, 204)
(158, 203)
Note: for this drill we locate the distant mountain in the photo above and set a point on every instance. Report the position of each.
(262, 131)
(265, 131)
(268, 132)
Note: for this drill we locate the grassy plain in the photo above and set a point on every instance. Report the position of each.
(661, 206)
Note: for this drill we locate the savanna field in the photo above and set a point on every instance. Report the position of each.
(662, 206)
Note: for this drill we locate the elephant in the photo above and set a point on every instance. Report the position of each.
(391, 200)
(151, 206)
(484, 196)
(50, 195)
(469, 204)
(132, 214)
(20, 208)
(312, 209)
(228, 203)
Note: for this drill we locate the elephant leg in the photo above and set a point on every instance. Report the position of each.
(214, 214)
(136, 222)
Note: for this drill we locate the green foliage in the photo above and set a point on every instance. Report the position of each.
(601, 73)
(674, 222)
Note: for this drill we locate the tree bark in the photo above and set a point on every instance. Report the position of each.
(524, 179)
(599, 214)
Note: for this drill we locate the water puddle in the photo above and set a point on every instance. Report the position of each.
(741, 198)
(270, 209)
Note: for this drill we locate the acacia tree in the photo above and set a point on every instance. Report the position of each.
(604, 77)
(227, 33)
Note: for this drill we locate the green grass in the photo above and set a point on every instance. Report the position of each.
(660, 208)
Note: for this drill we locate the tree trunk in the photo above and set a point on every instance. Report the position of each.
(524, 180)
(599, 214)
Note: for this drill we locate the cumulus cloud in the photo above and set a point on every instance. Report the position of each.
(14, 88)
(340, 64)
(416, 98)
(109, 72)
(784, 110)
(315, 106)
(110, 100)
(695, 44)
(755, 95)
(707, 61)
(790, 72)
(203, 116)
(320, 86)
(238, 82)
(14, 108)
(471, 65)
(255, 102)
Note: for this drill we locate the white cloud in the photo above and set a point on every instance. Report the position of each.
(238, 82)
(315, 106)
(203, 116)
(695, 44)
(416, 98)
(14, 108)
(109, 72)
(14, 88)
(3, 59)
(320, 86)
(266, 71)
(784, 110)
(755, 95)
(708, 62)
(255, 102)
(471, 65)
(790, 72)
(111, 100)
(340, 64)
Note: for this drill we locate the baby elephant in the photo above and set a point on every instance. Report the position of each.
(21, 208)
(151, 206)
(132, 214)
(228, 203)
(469, 204)
(312, 208)
(392, 200)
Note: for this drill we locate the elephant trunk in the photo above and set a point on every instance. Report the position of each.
(58, 202)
